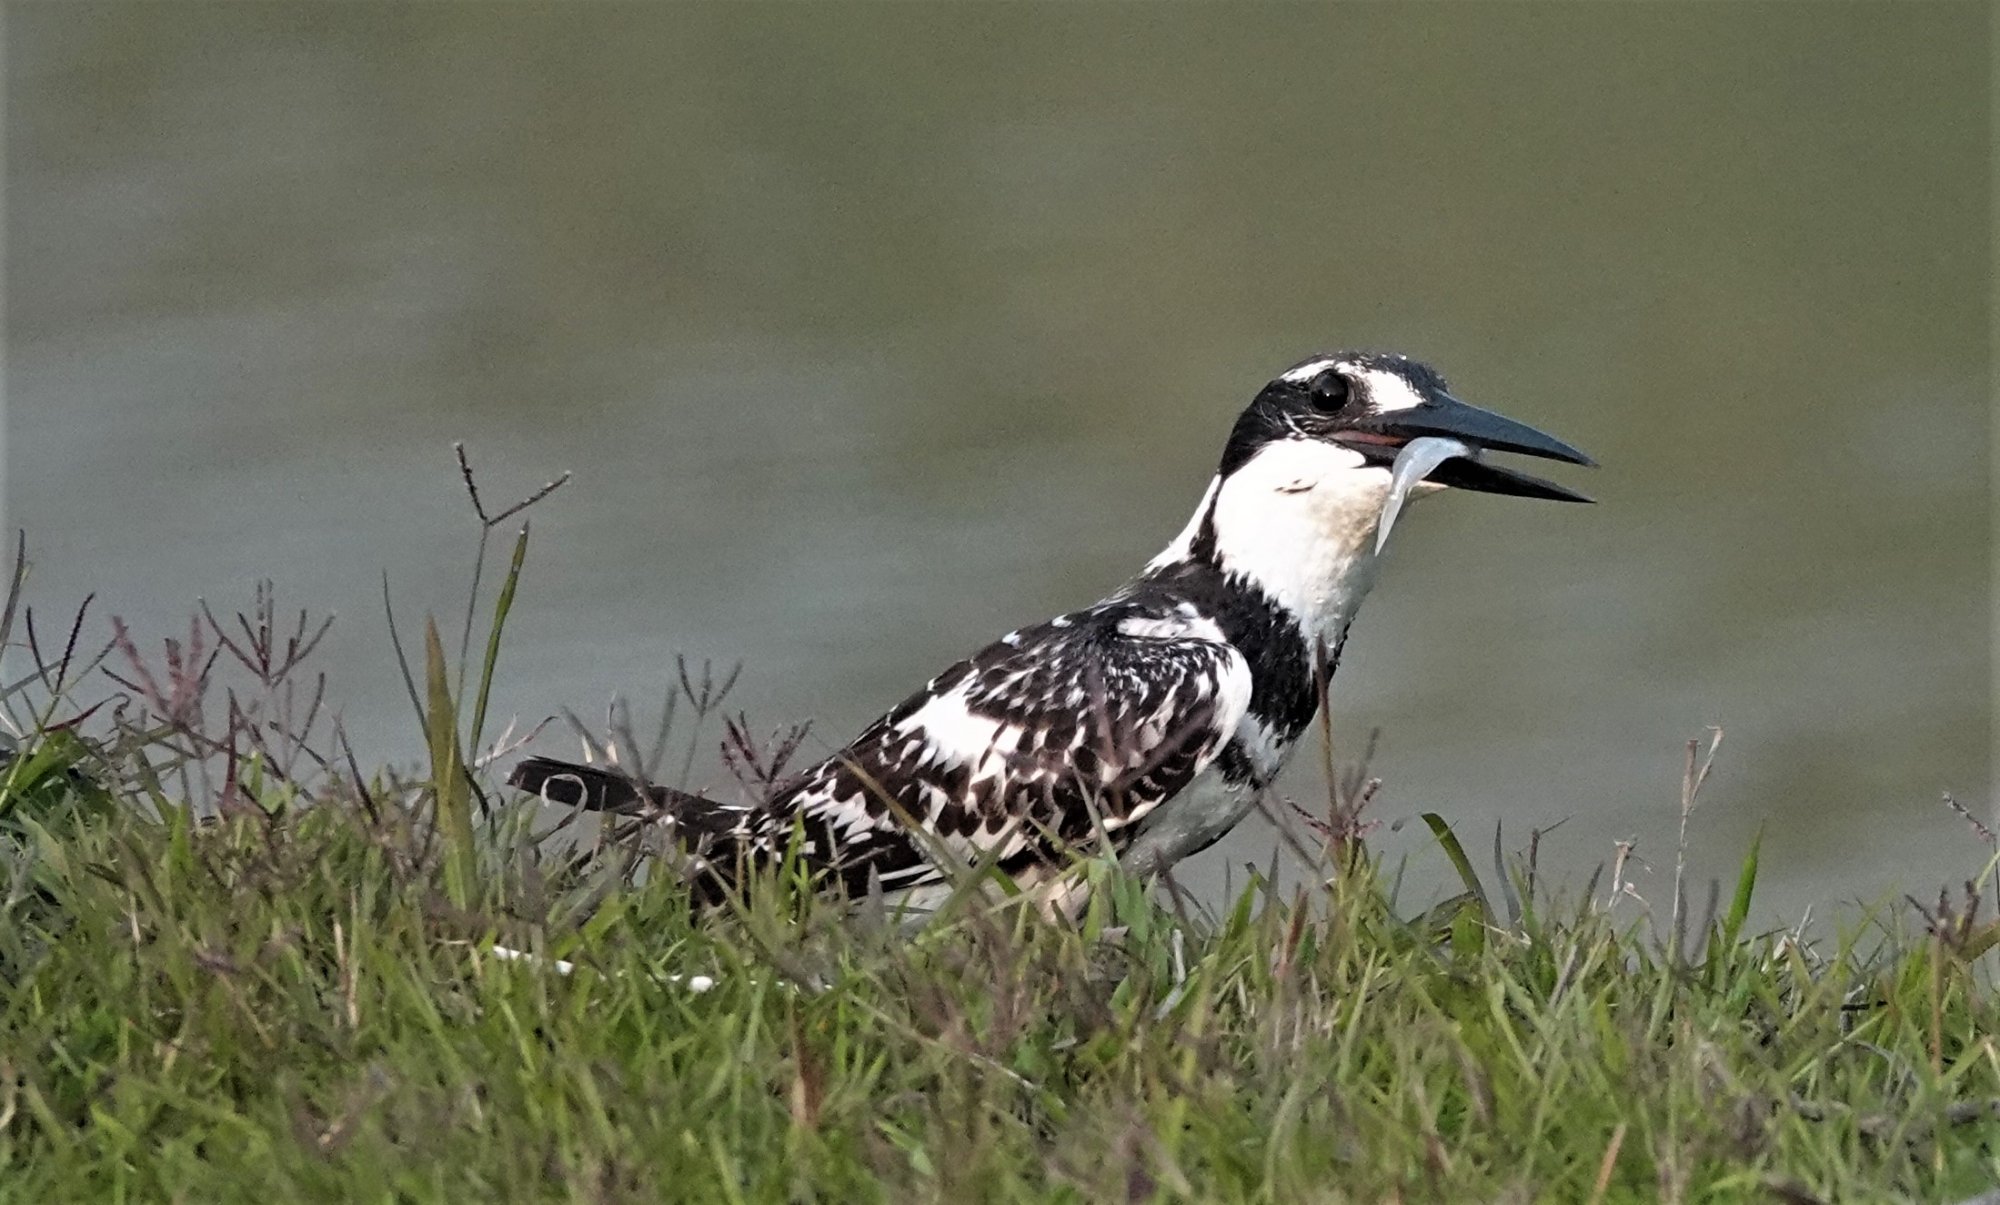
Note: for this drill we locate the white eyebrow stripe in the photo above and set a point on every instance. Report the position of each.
(1387, 391)
(1310, 369)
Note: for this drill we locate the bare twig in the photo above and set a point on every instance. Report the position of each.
(402, 658)
(14, 583)
(1694, 775)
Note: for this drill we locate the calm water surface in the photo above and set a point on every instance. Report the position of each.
(870, 333)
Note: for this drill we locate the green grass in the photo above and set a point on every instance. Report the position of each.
(287, 1005)
(230, 972)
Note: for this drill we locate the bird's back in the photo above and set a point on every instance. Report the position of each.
(1017, 754)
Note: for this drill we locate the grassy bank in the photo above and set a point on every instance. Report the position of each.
(237, 965)
(288, 1004)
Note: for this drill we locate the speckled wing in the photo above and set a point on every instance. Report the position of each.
(1021, 750)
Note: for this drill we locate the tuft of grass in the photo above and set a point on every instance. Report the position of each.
(234, 965)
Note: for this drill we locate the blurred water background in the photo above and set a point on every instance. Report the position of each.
(871, 332)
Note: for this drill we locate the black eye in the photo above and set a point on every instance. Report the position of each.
(1329, 391)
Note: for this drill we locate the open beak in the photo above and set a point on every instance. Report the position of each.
(1445, 417)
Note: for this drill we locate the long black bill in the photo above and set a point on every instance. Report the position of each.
(1445, 416)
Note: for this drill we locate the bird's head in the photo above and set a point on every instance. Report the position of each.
(1319, 464)
(1362, 409)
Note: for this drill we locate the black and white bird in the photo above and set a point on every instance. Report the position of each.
(1152, 718)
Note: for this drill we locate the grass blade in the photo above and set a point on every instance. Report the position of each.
(1448, 841)
(1739, 904)
(449, 787)
(501, 606)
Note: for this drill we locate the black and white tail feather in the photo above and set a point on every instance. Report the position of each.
(597, 789)
(1151, 719)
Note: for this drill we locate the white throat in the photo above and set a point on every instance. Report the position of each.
(1297, 520)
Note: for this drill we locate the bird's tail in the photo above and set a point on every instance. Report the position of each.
(603, 789)
(712, 833)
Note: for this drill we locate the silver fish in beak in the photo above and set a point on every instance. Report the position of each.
(1414, 463)
(1444, 441)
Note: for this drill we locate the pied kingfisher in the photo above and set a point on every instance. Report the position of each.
(1155, 717)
